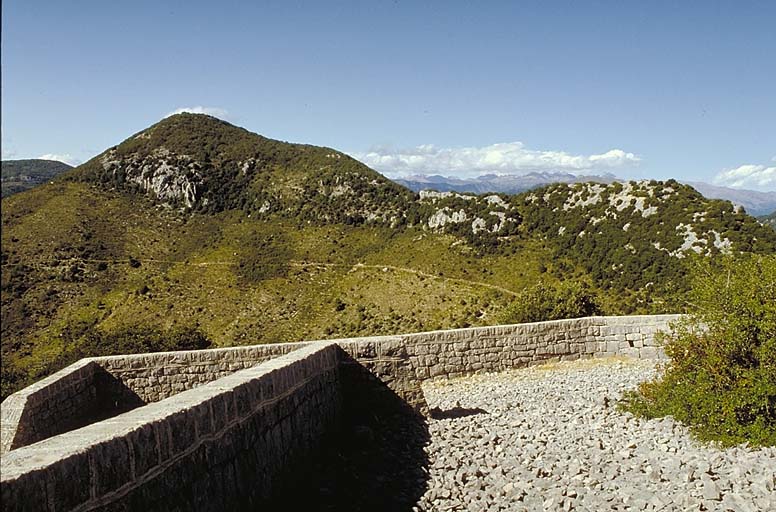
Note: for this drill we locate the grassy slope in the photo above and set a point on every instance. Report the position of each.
(92, 253)
(107, 262)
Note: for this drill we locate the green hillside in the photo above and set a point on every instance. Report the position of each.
(195, 231)
(630, 236)
(209, 166)
(21, 175)
(768, 220)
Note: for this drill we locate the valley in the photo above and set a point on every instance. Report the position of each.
(202, 232)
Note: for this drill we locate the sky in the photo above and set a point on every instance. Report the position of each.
(652, 89)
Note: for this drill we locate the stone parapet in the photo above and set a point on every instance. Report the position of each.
(219, 447)
(128, 381)
(60, 402)
(145, 378)
(187, 428)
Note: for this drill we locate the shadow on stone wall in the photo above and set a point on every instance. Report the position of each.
(375, 462)
(73, 407)
(113, 397)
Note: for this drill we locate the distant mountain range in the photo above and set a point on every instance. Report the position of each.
(756, 203)
(21, 175)
(496, 183)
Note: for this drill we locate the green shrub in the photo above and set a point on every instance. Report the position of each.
(721, 378)
(264, 257)
(551, 302)
(136, 340)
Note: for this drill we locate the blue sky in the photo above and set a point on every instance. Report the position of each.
(639, 89)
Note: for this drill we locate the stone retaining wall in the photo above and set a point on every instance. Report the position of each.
(100, 387)
(493, 349)
(399, 360)
(62, 401)
(146, 378)
(215, 402)
(129, 381)
(223, 446)
(403, 362)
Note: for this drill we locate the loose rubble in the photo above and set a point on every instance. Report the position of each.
(551, 438)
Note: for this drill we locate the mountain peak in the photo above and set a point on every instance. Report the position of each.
(202, 163)
(193, 124)
(198, 136)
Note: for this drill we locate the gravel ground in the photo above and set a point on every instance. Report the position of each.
(551, 438)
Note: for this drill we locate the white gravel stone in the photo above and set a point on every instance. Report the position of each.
(551, 438)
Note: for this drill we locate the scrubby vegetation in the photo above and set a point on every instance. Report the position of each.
(568, 299)
(721, 379)
(223, 167)
(633, 236)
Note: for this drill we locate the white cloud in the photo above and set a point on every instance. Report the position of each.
(503, 158)
(211, 111)
(66, 158)
(751, 176)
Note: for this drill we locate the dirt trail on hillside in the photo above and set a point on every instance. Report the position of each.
(385, 268)
(352, 268)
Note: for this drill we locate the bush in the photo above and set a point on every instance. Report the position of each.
(137, 340)
(721, 378)
(551, 302)
(264, 257)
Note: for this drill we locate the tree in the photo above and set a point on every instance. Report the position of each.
(568, 299)
(721, 378)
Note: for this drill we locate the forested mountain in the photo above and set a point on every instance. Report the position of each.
(195, 231)
(631, 235)
(626, 236)
(21, 175)
(208, 166)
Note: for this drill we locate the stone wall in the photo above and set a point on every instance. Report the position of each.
(145, 378)
(222, 422)
(493, 349)
(100, 387)
(401, 362)
(223, 446)
(61, 402)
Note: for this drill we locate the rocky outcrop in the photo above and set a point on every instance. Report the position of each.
(172, 179)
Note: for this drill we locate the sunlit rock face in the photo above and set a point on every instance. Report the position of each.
(171, 178)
